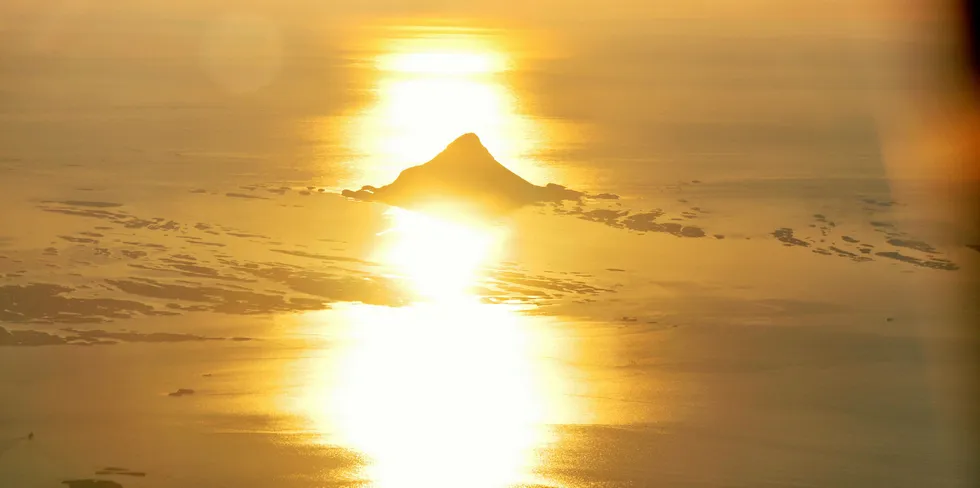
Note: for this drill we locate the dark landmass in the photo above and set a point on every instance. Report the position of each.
(785, 235)
(99, 334)
(852, 248)
(917, 245)
(466, 177)
(640, 222)
(28, 338)
(47, 303)
(82, 209)
(98, 337)
(322, 257)
(881, 203)
(82, 240)
(116, 471)
(942, 264)
(83, 203)
(605, 216)
(181, 392)
(208, 280)
(245, 195)
(91, 483)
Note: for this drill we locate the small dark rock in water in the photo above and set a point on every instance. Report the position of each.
(91, 483)
(619, 270)
(785, 235)
(181, 392)
(113, 471)
(244, 195)
(719, 236)
(629, 319)
(889, 319)
(692, 232)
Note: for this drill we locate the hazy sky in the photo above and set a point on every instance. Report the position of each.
(53, 17)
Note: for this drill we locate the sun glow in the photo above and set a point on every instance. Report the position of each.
(430, 90)
(447, 391)
(435, 395)
(440, 259)
(459, 63)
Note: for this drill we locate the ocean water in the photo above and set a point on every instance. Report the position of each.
(762, 285)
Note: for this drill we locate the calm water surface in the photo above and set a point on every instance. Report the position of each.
(189, 188)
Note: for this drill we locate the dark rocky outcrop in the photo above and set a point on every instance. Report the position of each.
(464, 177)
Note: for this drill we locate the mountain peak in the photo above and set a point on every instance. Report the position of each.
(467, 148)
(463, 173)
(468, 139)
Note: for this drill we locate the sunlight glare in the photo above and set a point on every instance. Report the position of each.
(443, 62)
(437, 396)
(441, 259)
(432, 89)
(446, 391)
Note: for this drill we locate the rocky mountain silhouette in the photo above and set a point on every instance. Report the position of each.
(463, 177)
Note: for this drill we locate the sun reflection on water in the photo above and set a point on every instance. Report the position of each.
(431, 88)
(445, 392)
(438, 395)
(448, 391)
(439, 259)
